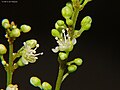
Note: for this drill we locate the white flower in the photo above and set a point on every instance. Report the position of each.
(29, 54)
(65, 43)
(12, 87)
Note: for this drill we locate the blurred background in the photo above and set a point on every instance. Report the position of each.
(98, 47)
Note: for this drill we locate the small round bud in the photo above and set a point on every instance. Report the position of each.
(72, 68)
(3, 62)
(58, 27)
(55, 33)
(25, 28)
(78, 61)
(3, 49)
(63, 56)
(69, 22)
(69, 5)
(5, 21)
(86, 23)
(66, 12)
(15, 33)
(46, 86)
(6, 25)
(60, 22)
(32, 43)
(35, 81)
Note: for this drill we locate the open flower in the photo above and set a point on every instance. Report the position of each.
(65, 43)
(29, 54)
(12, 87)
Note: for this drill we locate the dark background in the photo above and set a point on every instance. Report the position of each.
(98, 47)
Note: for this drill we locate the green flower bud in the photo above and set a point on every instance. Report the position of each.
(60, 22)
(3, 62)
(69, 22)
(86, 23)
(25, 28)
(15, 33)
(55, 33)
(6, 25)
(46, 86)
(35, 81)
(69, 5)
(76, 34)
(3, 49)
(72, 68)
(78, 61)
(5, 21)
(32, 43)
(63, 56)
(20, 63)
(58, 27)
(66, 12)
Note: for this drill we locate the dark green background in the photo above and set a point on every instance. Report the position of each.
(98, 47)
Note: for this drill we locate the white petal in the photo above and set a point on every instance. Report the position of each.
(24, 61)
(74, 41)
(56, 49)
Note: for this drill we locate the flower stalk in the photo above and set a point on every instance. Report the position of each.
(10, 67)
(62, 67)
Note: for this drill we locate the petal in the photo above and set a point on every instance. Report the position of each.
(56, 49)
(74, 41)
(24, 61)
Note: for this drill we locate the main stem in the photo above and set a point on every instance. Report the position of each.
(62, 65)
(62, 68)
(10, 67)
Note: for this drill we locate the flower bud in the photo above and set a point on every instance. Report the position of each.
(63, 56)
(55, 33)
(86, 23)
(35, 81)
(5, 21)
(15, 33)
(3, 62)
(32, 43)
(78, 61)
(66, 12)
(72, 68)
(3, 49)
(58, 27)
(6, 25)
(69, 22)
(60, 22)
(69, 5)
(25, 28)
(46, 86)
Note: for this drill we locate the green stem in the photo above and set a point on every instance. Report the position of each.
(74, 17)
(62, 68)
(10, 67)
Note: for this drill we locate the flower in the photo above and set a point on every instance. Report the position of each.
(29, 54)
(65, 43)
(12, 87)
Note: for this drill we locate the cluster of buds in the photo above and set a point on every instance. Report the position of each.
(35, 81)
(72, 65)
(12, 31)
